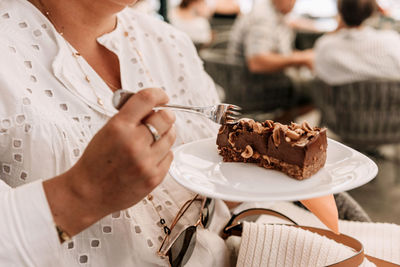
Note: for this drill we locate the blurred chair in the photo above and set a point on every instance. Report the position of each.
(349, 209)
(253, 92)
(306, 40)
(218, 21)
(363, 114)
(220, 40)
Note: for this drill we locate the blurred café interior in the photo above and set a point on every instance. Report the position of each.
(291, 60)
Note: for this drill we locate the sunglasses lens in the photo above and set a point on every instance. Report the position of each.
(183, 247)
(207, 212)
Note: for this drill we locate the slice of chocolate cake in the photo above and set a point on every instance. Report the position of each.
(297, 150)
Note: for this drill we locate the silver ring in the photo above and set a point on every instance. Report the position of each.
(153, 131)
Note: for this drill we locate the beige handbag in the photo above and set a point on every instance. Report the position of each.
(235, 227)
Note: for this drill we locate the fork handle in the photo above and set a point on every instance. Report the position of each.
(121, 97)
(179, 108)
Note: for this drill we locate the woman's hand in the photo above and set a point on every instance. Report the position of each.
(119, 167)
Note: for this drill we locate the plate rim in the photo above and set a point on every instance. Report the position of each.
(342, 188)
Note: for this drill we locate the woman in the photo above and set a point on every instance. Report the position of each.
(71, 166)
(69, 162)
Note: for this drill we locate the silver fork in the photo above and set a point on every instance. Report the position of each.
(219, 113)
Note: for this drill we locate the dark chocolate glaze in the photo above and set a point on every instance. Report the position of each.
(298, 155)
(302, 152)
(243, 136)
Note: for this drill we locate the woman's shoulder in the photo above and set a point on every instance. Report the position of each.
(386, 34)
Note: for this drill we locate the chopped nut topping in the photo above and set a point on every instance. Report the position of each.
(269, 123)
(266, 158)
(306, 127)
(293, 135)
(275, 135)
(284, 128)
(247, 153)
(256, 155)
(312, 133)
(230, 139)
(299, 131)
(258, 128)
(246, 122)
(237, 149)
(222, 129)
(287, 139)
(294, 126)
(302, 143)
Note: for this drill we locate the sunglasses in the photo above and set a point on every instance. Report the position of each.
(180, 248)
(234, 226)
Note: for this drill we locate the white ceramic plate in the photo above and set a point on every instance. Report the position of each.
(198, 167)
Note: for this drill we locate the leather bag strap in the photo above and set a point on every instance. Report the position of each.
(234, 227)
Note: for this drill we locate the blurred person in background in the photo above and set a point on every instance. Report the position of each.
(264, 40)
(191, 17)
(357, 52)
(225, 8)
(149, 7)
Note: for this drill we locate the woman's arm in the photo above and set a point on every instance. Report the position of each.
(273, 62)
(28, 236)
(120, 166)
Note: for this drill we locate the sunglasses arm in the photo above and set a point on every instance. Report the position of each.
(234, 226)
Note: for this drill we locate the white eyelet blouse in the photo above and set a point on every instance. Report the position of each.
(48, 114)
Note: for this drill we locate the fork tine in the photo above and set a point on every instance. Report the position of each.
(231, 118)
(234, 107)
(233, 112)
(230, 121)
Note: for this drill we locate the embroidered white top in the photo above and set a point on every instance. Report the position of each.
(48, 114)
